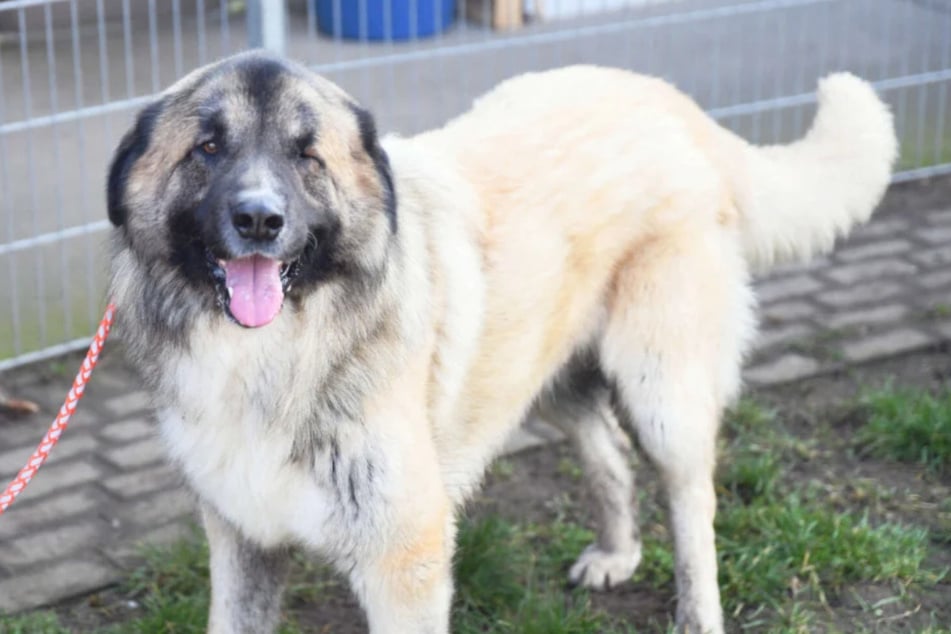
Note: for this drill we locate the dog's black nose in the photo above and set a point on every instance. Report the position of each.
(257, 220)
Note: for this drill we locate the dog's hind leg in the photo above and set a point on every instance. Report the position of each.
(579, 404)
(679, 316)
(247, 581)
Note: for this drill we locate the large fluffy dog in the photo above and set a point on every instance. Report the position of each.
(339, 333)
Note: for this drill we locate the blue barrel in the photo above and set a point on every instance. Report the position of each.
(384, 19)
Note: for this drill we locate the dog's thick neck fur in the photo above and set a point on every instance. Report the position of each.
(162, 315)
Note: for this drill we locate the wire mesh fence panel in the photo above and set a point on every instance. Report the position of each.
(73, 72)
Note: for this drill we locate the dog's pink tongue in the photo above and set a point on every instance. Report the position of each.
(255, 286)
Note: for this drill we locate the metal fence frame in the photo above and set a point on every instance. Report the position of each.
(267, 26)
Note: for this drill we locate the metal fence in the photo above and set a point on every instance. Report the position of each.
(72, 73)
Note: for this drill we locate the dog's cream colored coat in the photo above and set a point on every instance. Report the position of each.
(583, 208)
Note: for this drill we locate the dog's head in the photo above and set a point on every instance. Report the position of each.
(255, 180)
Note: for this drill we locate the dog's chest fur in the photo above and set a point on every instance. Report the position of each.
(244, 425)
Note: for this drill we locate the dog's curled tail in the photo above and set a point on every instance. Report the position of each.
(794, 200)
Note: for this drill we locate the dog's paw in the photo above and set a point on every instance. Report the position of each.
(601, 570)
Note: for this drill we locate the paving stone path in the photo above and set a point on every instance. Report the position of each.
(106, 489)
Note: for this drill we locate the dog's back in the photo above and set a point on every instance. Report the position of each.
(585, 173)
(620, 226)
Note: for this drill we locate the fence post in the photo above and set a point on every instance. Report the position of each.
(267, 25)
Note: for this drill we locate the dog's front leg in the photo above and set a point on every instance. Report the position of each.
(406, 587)
(246, 580)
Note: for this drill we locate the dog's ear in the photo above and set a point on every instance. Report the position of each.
(133, 145)
(371, 145)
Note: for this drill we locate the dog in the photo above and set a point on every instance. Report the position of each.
(339, 332)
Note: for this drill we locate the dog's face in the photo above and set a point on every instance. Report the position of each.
(255, 180)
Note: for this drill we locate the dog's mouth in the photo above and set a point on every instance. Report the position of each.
(251, 289)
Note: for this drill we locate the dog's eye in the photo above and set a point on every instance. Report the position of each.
(210, 148)
(310, 153)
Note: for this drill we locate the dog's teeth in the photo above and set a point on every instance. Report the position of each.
(230, 291)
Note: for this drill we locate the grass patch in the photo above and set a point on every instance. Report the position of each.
(751, 473)
(33, 623)
(751, 451)
(657, 561)
(772, 548)
(777, 541)
(180, 569)
(908, 426)
(502, 468)
(172, 587)
(749, 416)
(780, 546)
(491, 554)
(510, 579)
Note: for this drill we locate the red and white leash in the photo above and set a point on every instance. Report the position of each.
(65, 412)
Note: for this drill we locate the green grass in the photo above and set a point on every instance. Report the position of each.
(782, 550)
(773, 547)
(172, 587)
(657, 561)
(774, 540)
(908, 426)
(491, 554)
(783, 545)
(748, 416)
(34, 623)
(751, 452)
(510, 578)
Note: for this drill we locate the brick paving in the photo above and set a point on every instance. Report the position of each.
(106, 489)
(883, 292)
